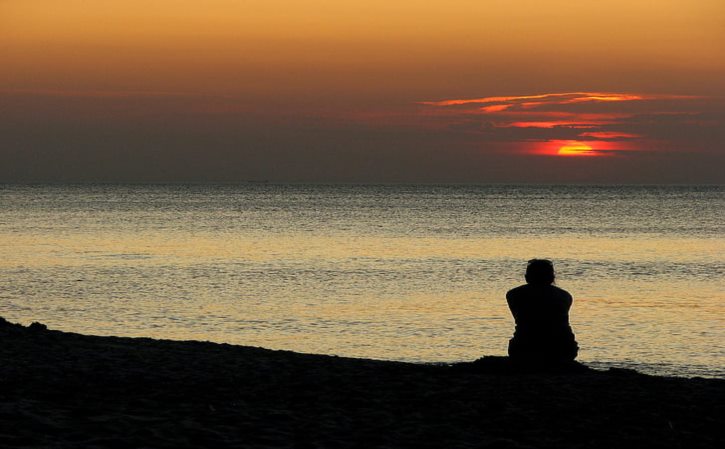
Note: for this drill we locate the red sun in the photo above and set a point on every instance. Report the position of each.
(576, 149)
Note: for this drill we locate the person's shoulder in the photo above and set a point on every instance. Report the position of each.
(517, 291)
(560, 292)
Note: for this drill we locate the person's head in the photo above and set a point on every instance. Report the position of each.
(540, 271)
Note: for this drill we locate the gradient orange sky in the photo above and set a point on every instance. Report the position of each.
(373, 91)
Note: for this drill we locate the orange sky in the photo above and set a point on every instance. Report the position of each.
(362, 70)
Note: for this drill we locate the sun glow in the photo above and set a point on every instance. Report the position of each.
(576, 149)
(560, 124)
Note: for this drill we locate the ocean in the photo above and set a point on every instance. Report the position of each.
(396, 272)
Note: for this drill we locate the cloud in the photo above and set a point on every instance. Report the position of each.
(144, 136)
(611, 135)
(522, 101)
(581, 123)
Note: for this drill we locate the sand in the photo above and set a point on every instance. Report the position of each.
(64, 390)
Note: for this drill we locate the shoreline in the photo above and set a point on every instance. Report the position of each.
(68, 390)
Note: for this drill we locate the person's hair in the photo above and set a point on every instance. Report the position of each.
(540, 271)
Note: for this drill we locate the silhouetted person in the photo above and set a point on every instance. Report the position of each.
(541, 311)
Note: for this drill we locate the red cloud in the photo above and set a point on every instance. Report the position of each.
(552, 123)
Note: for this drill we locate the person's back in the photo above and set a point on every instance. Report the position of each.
(541, 312)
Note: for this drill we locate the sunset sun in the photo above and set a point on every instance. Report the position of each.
(576, 149)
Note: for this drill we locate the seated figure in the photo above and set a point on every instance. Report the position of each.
(541, 312)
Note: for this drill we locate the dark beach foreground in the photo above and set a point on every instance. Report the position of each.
(74, 391)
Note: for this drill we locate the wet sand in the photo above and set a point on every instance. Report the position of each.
(67, 390)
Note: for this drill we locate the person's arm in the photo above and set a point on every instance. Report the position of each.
(511, 300)
(568, 300)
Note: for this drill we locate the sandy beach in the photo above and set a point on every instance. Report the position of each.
(64, 390)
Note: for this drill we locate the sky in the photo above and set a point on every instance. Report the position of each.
(454, 91)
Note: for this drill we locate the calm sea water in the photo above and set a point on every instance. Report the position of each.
(414, 273)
